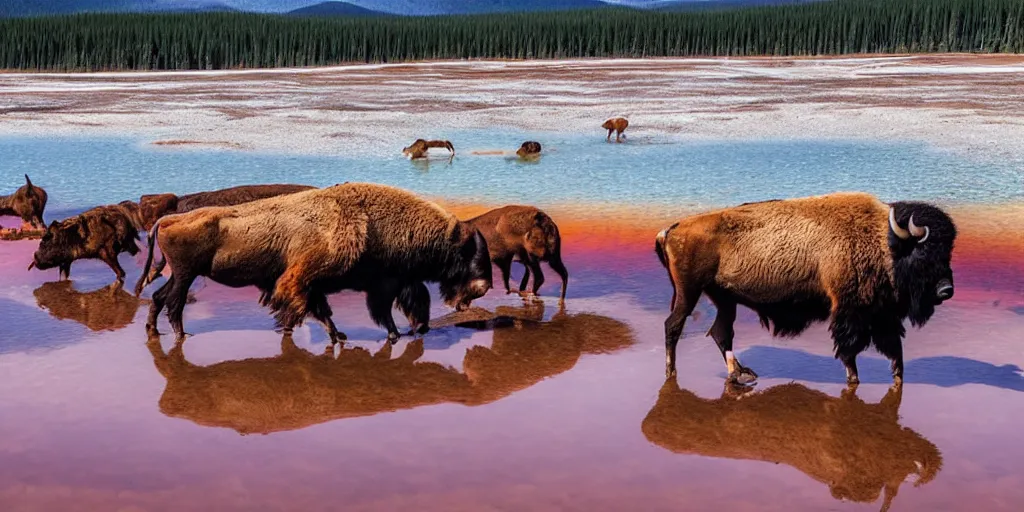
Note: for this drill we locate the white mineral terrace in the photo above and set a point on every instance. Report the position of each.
(968, 103)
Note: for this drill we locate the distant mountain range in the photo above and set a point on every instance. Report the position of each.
(19, 8)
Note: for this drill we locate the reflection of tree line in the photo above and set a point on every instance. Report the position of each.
(297, 388)
(858, 449)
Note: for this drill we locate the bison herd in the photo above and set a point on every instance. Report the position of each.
(862, 265)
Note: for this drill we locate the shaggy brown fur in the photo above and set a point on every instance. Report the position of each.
(100, 233)
(154, 206)
(298, 248)
(857, 449)
(617, 125)
(799, 261)
(28, 202)
(529, 149)
(105, 309)
(298, 389)
(419, 148)
(524, 233)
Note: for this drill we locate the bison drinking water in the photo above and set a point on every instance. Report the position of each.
(617, 125)
(526, 233)
(848, 258)
(28, 203)
(419, 149)
(154, 206)
(101, 233)
(299, 248)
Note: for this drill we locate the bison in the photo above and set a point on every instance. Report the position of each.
(101, 233)
(858, 449)
(105, 309)
(617, 125)
(28, 202)
(526, 233)
(298, 248)
(419, 149)
(529, 149)
(297, 389)
(154, 206)
(848, 258)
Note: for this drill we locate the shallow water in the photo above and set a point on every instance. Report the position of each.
(542, 409)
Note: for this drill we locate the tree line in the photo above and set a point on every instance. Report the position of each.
(92, 42)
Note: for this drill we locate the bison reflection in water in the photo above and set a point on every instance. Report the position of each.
(298, 389)
(858, 449)
(108, 308)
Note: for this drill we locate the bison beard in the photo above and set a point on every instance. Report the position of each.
(297, 249)
(848, 258)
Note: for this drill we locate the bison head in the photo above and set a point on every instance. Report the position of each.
(468, 276)
(154, 206)
(30, 201)
(529, 148)
(60, 245)
(921, 239)
(414, 149)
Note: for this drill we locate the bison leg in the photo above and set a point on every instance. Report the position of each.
(722, 332)
(379, 300)
(887, 336)
(556, 264)
(157, 305)
(609, 138)
(618, 136)
(505, 266)
(686, 300)
(414, 302)
(321, 311)
(538, 275)
(849, 339)
(176, 300)
(111, 261)
(64, 272)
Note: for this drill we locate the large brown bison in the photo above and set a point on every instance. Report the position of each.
(101, 233)
(848, 258)
(105, 309)
(858, 450)
(617, 125)
(298, 248)
(524, 233)
(420, 147)
(153, 206)
(297, 389)
(28, 203)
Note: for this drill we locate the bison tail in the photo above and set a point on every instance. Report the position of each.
(144, 278)
(450, 147)
(659, 246)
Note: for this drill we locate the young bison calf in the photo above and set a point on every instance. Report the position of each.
(419, 148)
(28, 202)
(526, 233)
(617, 125)
(100, 233)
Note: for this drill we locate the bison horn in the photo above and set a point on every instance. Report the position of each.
(900, 232)
(917, 231)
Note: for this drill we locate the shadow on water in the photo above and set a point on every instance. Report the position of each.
(297, 389)
(858, 449)
(944, 371)
(106, 309)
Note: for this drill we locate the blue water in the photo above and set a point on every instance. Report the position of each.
(84, 172)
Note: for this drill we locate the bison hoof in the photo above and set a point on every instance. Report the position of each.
(393, 337)
(852, 380)
(742, 376)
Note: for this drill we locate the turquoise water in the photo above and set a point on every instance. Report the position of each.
(83, 172)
